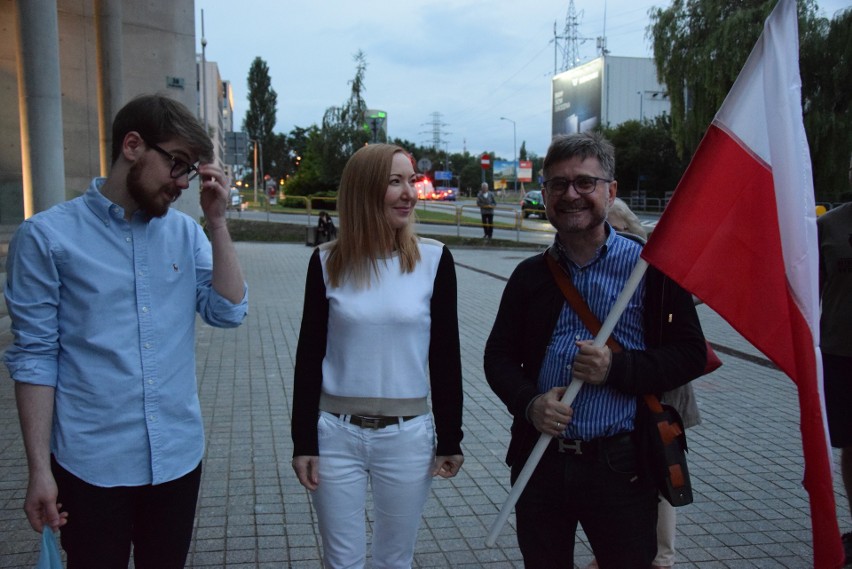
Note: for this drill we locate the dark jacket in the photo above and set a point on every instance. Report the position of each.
(675, 348)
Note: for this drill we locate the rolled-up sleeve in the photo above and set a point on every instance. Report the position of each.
(32, 298)
(218, 311)
(214, 309)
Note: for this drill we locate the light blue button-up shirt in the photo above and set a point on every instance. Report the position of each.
(103, 310)
(599, 410)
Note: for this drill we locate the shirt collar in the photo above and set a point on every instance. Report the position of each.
(561, 255)
(98, 203)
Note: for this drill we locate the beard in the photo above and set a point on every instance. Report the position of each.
(151, 204)
(567, 223)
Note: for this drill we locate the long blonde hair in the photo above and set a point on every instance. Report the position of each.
(365, 235)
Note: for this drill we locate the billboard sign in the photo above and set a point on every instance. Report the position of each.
(504, 170)
(577, 98)
(525, 171)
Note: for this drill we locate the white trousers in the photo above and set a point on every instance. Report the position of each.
(666, 521)
(396, 461)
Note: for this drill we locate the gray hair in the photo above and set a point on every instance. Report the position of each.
(588, 144)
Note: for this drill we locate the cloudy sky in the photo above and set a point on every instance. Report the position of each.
(458, 64)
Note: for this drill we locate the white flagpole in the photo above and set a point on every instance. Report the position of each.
(570, 394)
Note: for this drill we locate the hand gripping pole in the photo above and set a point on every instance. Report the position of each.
(570, 394)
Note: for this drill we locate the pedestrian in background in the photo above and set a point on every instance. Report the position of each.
(379, 333)
(102, 291)
(589, 473)
(835, 279)
(326, 231)
(486, 203)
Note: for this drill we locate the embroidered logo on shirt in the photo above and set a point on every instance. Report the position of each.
(175, 267)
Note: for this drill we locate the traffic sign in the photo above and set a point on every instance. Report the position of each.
(424, 164)
(485, 162)
(443, 175)
(236, 145)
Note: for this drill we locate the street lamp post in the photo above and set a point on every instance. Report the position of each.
(514, 149)
(639, 172)
(447, 159)
(256, 145)
(204, 76)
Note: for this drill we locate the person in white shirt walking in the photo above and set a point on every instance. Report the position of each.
(486, 203)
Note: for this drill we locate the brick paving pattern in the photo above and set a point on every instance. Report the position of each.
(750, 509)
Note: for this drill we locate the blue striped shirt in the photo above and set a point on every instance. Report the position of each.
(599, 411)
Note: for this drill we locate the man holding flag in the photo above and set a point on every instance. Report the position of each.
(589, 472)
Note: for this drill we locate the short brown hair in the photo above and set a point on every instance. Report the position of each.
(590, 144)
(158, 118)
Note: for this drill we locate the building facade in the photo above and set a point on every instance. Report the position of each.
(607, 91)
(109, 51)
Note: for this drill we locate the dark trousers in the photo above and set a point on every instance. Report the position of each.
(837, 381)
(488, 223)
(600, 491)
(103, 522)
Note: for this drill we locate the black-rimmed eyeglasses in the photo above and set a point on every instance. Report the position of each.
(179, 167)
(582, 184)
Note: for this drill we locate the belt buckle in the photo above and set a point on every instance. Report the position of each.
(575, 446)
(371, 422)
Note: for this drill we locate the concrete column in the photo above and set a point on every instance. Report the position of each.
(109, 38)
(40, 104)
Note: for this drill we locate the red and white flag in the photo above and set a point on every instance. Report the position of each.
(740, 233)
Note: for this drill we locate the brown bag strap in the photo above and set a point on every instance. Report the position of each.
(576, 301)
(578, 304)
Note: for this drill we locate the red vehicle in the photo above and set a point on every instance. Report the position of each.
(425, 189)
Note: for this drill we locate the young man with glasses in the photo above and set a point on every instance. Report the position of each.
(103, 291)
(590, 472)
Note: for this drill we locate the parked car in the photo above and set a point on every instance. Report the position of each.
(533, 204)
(449, 194)
(235, 200)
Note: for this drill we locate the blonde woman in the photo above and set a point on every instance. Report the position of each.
(379, 333)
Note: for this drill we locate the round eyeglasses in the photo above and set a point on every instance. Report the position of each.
(582, 184)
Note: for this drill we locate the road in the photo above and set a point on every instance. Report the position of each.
(532, 230)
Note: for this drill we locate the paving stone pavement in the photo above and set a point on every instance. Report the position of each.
(750, 509)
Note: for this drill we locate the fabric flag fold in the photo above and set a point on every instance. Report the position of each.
(740, 233)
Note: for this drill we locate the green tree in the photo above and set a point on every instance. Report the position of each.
(260, 117)
(308, 163)
(700, 47)
(323, 151)
(646, 157)
(826, 67)
(297, 142)
(342, 131)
